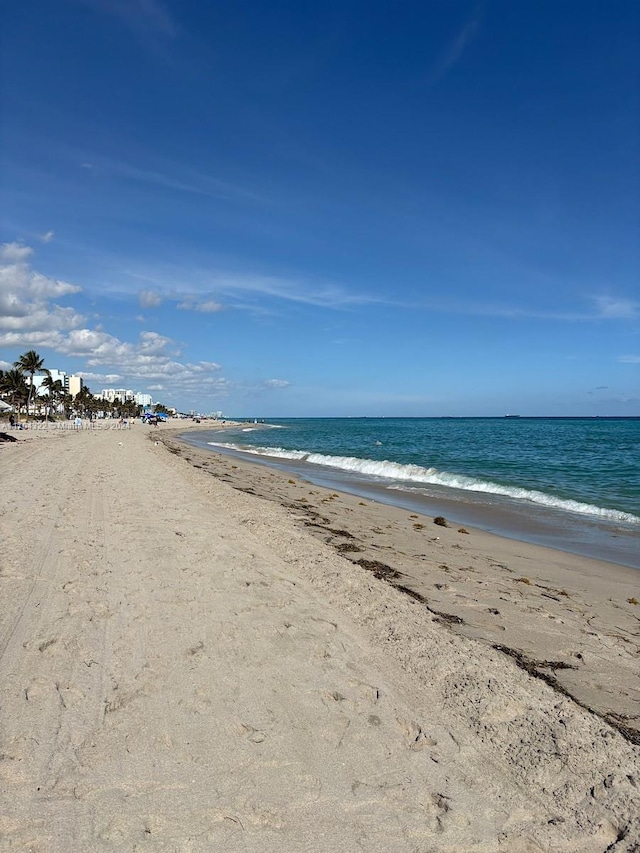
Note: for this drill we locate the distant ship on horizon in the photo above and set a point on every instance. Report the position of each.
(513, 416)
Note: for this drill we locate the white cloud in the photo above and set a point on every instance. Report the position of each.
(100, 346)
(33, 339)
(29, 318)
(39, 318)
(14, 252)
(149, 299)
(152, 343)
(629, 359)
(26, 309)
(277, 383)
(102, 378)
(150, 359)
(48, 237)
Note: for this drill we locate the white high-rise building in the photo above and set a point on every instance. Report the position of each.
(73, 384)
(55, 376)
(113, 394)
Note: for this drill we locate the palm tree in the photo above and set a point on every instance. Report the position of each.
(55, 389)
(30, 363)
(14, 387)
(67, 404)
(131, 409)
(84, 401)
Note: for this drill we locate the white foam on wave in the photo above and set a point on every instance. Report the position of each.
(278, 452)
(386, 470)
(262, 426)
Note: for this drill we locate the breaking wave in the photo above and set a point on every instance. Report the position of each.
(407, 474)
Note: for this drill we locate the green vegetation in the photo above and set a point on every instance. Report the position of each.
(30, 363)
(18, 391)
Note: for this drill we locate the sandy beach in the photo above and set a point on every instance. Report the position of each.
(199, 654)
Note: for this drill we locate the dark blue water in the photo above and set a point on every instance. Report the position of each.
(542, 477)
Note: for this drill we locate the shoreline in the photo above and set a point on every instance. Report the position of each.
(187, 664)
(478, 582)
(582, 535)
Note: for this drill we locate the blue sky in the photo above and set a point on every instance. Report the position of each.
(337, 208)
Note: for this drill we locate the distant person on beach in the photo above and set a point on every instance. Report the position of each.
(12, 421)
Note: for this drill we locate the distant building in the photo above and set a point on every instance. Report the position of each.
(73, 385)
(113, 394)
(55, 376)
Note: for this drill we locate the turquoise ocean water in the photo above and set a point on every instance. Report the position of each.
(572, 483)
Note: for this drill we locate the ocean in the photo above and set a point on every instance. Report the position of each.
(570, 483)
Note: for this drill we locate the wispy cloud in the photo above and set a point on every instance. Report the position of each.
(322, 295)
(454, 51)
(194, 287)
(594, 308)
(171, 177)
(612, 308)
(150, 16)
(629, 359)
(199, 289)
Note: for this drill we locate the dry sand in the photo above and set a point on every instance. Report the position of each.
(188, 667)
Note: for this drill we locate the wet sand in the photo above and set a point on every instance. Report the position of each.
(567, 618)
(588, 536)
